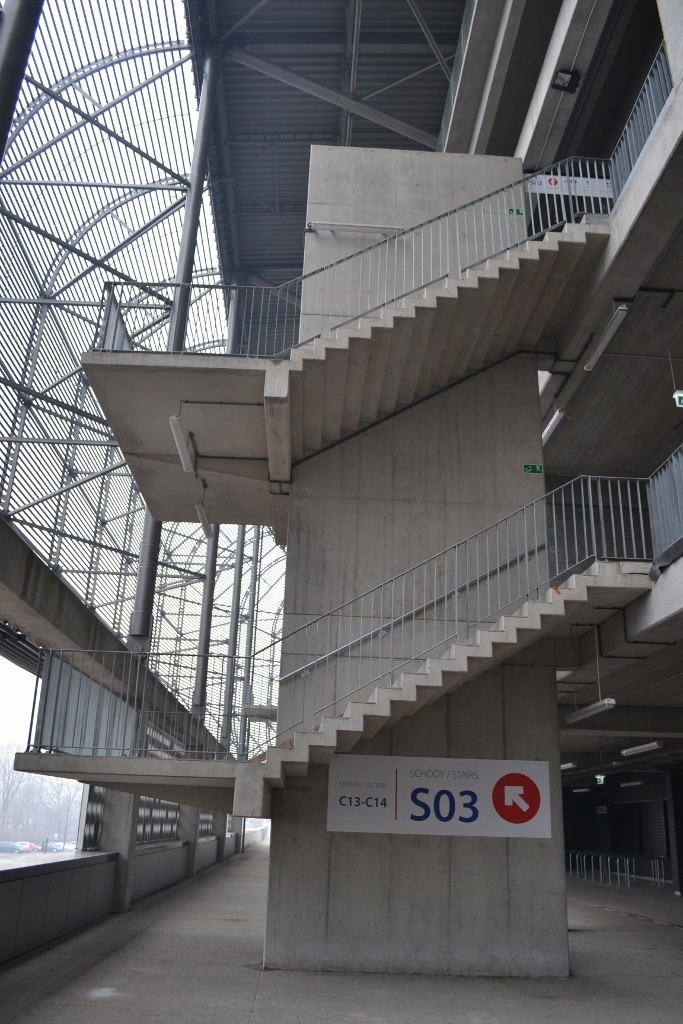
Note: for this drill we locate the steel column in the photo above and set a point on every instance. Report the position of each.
(226, 731)
(141, 618)
(19, 23)
(201, 673)
(193, 206)
(248, 647)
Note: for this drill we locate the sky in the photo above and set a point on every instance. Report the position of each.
(16, 700)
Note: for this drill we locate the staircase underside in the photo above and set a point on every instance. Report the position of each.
(245, 788)
(251, 419)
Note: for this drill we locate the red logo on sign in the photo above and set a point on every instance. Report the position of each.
(516, 798)
(553, 181)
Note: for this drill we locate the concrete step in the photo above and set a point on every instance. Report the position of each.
(436, 676)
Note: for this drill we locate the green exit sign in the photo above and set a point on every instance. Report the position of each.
(515, 211)
(532, 467)
(678, 399)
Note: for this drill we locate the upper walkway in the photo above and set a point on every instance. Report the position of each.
(194, 952)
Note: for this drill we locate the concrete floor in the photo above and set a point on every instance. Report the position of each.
(192, 953)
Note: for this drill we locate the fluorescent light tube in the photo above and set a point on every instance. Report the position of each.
(204, 520)
(182, 444)
(625, 785)
(591, 709)
(642, 748)
(582, 789)
(606, 336)
(567, 765)
(552, 425)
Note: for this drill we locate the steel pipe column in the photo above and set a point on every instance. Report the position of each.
(17, 30)
(249, 661)
(199, 698)
(141, 618)
(193, 207)
(229, 700)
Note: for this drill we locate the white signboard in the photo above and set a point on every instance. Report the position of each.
(563, 185)
(439, 796)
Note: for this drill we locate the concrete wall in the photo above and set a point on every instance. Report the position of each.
(383, 501)
(158, 866)
(43, 902)
(396, 189)
(671, 17)
(39, 903)
(427, 904)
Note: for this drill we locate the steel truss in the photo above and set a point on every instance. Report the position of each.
(89, 196)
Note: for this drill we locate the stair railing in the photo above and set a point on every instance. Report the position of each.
(373, 638)
(121, 703)
(273, 321)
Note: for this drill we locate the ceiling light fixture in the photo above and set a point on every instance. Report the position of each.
(567, 765)
(642, 748)
(591, 709)
(552, 425)
(187, 459)
(636, 782)
(606, 336)
(204, 520)
(582, 789)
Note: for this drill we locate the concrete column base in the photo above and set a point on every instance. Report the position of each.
(188, 831)
(119, 835)
(427, 905)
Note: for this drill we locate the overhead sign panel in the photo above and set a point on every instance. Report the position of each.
(439, 796)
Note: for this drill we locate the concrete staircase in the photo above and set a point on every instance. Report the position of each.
(386, 361)
(432, 678)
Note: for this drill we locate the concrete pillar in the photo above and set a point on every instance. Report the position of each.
(383, 501)
(671, 17)
(220, 827)
(188, 831)
(432, 905)
(673, 782)
(119, 835)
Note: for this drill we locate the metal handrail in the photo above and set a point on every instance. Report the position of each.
(377, 276)
(119, 703)
(649, 104)
(549, 496)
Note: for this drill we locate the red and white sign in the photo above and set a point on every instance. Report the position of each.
(516, 798)
(439, 796)
(569, 185)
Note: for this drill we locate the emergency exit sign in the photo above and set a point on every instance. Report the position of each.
(532, 467)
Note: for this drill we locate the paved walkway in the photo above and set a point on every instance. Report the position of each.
(192, 954)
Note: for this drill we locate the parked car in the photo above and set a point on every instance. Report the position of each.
(26, 847)
(7, 846)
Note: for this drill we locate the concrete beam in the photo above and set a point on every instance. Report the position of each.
(658, 615)
(470, 70)
(278, 425)
(207, 784)
(577, 31)
(506, 38)
(36, 601)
